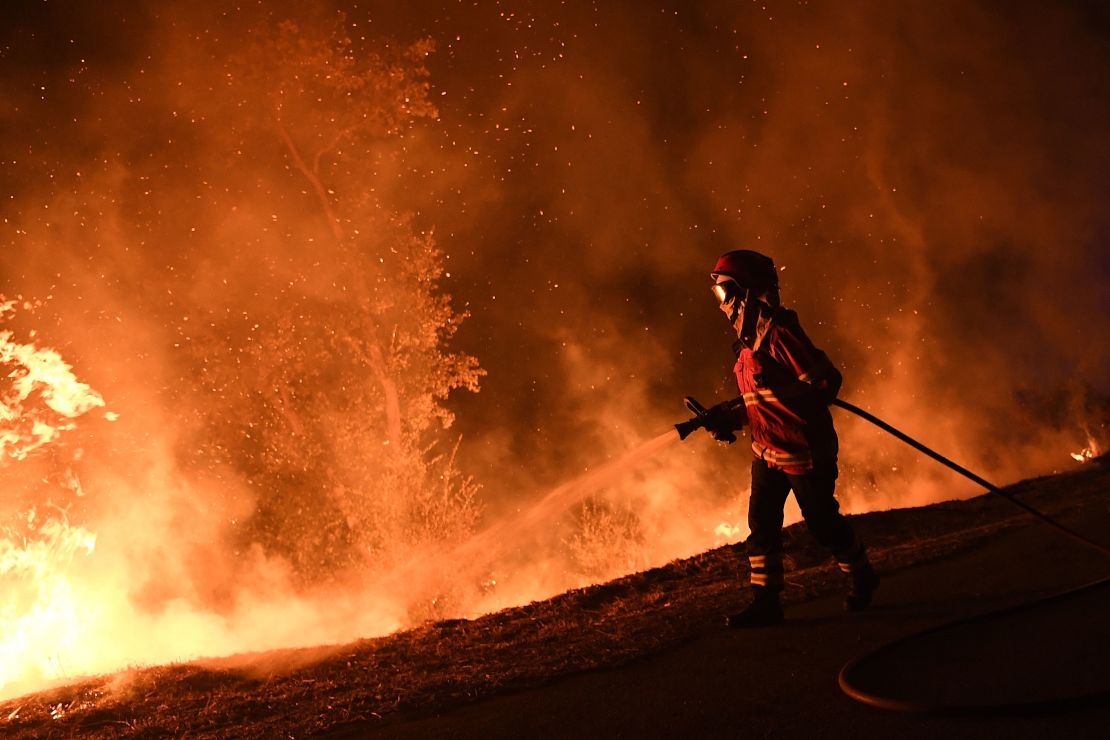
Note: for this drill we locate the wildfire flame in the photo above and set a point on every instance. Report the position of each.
(40, 399)
(727, 532)
(36, 373)
(40, 617)
(1087, 453)
(1091, 451)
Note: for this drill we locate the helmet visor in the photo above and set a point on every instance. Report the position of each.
(725, 290)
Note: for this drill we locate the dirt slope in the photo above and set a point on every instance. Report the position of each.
(645, 655)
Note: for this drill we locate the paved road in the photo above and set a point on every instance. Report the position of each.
(781, 682)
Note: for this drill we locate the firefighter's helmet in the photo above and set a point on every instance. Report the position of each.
(751, 270)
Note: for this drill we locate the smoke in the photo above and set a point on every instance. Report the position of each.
(930, 179)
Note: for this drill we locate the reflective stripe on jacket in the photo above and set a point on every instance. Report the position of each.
(787, 384)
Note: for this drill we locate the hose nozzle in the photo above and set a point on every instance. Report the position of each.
(686, 428)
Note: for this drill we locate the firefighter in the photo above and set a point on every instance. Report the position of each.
(786, 384)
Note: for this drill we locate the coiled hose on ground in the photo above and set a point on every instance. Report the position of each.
(848, 678)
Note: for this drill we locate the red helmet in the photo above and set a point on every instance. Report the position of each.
(751, 270)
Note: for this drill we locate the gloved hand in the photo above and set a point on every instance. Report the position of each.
(721, 436)
(722, 422)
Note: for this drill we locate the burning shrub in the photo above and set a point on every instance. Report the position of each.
(40, 402)
(607, 541)
(324, 369)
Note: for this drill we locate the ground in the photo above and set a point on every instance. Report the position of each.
(648, 656)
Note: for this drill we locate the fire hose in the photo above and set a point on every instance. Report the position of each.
(706, 418)
(972, 476)
(1054, 704)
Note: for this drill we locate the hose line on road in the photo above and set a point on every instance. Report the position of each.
(1052, 704)
(849, 683)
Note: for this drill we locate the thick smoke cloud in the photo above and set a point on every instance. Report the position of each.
(930, 178)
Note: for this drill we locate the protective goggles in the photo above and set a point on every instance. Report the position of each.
(727, 290)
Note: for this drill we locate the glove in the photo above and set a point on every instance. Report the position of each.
(722, 422)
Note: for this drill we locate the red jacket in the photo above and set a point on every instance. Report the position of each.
(787, 384)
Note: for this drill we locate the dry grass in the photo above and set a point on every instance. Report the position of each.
(439, 665)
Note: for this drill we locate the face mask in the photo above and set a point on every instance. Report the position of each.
(742, 310)
(730, 297)
(726, 290)
(747, 318)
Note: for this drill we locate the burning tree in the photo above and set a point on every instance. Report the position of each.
(326, 366)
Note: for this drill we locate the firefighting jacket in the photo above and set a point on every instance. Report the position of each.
(787, 384)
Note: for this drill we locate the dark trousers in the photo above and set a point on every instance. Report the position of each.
(814, 493)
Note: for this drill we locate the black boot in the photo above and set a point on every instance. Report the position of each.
(864, 582)
(764, 610)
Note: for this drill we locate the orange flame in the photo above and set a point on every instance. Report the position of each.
(1090, 452)
(37, 373)
(40, 619)
(39, 616)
